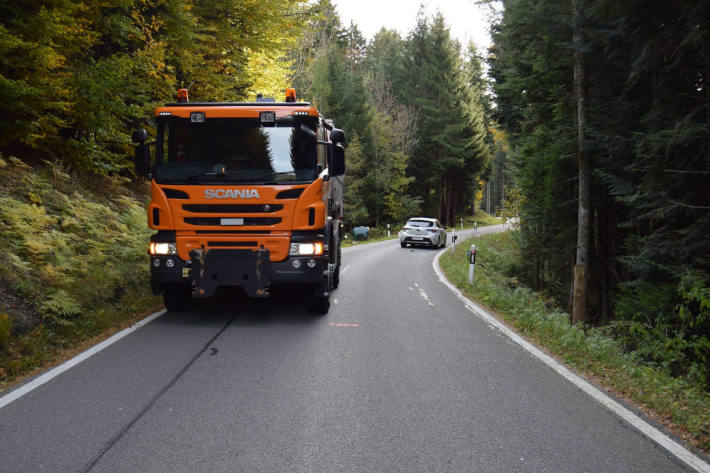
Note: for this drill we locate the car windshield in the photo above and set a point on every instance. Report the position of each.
(234, 151)
(420, 223)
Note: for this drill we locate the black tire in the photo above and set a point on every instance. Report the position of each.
(336, 275)
(177, 299)
(403, 245)
(319, 305)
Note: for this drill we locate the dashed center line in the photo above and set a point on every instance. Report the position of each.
(336, 324)
(422, 293)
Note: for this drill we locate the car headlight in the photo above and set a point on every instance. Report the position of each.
(162, 248)
(306, 249)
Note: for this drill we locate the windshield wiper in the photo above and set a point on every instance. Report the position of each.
(266, 178)
(197, 177)
(270, 176)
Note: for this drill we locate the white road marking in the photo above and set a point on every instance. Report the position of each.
(342, 271)
(644, 427)
(421, 293)
(56, 371)
(425, 297)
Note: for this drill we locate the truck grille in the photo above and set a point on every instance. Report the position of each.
(217, 221)
(239, 232)
(233, 208)
(231, 243)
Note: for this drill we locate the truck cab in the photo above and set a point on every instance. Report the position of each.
(243, 195)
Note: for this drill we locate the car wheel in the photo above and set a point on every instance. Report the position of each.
(402, 244)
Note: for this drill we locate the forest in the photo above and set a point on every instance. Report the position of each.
(612, 94)
(617, 91)
(77, 78)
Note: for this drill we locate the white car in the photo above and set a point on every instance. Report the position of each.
(423, 231)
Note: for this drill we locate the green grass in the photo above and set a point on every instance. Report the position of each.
(74, 262)
(677, 402)
(380, 233)
(482, 218)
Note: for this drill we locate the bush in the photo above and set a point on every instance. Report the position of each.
(5, 331)
(71, 254)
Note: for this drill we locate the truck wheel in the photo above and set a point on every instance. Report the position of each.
(336, 276)
(319, 305)
(177, 299)
(320, 299)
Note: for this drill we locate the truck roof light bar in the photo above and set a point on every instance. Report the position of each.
(182, 96)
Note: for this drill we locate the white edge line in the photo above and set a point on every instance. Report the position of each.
(56, 371)
(644, 427)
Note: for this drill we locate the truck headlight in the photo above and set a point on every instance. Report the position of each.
(306, 249)
(161, 248)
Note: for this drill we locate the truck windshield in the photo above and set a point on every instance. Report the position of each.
(234, 151)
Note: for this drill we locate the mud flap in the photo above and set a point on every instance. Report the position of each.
(219, 267)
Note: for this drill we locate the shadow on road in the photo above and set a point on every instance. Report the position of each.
(287, 305)
(225, 303)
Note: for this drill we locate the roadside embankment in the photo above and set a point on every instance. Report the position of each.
(73, 265)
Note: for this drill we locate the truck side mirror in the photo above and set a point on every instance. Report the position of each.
(139, 136)
(337, 153)
(142, 160)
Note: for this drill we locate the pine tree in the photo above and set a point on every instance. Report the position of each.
(450, 137)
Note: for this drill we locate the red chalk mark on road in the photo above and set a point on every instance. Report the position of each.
(334, 324)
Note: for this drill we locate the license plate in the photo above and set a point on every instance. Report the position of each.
(231, 221)
(417, 238)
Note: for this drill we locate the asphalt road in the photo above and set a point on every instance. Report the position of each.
(398, 377)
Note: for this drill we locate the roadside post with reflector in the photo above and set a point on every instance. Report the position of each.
(461, 223)
(475, 228)
(454, 237)
(388, 230)
(471, 255)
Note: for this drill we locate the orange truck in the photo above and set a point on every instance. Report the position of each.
(243, 195)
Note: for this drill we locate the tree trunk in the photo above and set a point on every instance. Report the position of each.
(488, 197)
(451, 210)
(579, 309)
(442, 201)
